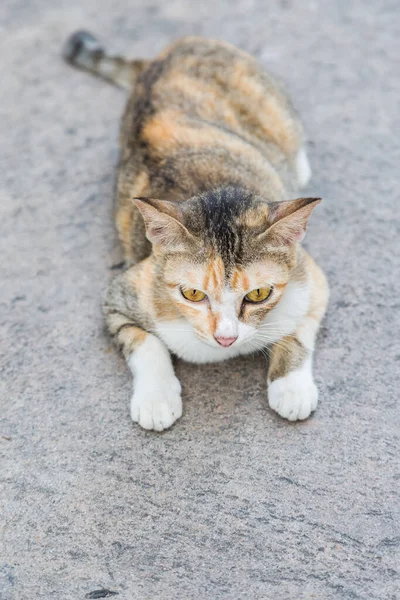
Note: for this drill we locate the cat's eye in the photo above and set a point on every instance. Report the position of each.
(259, 295)
(193, 295)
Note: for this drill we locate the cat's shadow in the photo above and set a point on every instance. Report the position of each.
(222, 390)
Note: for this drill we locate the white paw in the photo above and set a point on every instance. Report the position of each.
(295, 396)
(156, 404)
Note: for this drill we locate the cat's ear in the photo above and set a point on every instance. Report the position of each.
(288, 220)
(163, 222)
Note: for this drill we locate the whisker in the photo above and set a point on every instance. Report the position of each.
(285, 321)
(167, 329)
(262, 349)
(282, 326)
(287, 349)
(285, 345)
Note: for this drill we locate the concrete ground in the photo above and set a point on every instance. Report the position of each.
(233, 502)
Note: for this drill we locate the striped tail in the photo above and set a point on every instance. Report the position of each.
(83, 51)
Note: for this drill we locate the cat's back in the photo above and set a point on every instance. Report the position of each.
(200, 92)
(203, 115)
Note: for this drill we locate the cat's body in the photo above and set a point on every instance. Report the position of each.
(211, 148)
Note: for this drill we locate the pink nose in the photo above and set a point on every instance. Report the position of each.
(225, 341)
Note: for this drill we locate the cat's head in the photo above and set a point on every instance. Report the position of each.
(225, 257)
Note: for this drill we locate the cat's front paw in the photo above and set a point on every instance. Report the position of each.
(295, 396)
(156, 404)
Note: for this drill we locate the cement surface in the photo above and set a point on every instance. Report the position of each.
(233, 502)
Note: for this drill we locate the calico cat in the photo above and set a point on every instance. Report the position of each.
(211, 153)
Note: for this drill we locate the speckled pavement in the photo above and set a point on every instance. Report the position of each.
(232, 503)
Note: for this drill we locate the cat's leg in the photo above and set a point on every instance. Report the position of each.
(292, 392)
(303, 168)
(156, 401)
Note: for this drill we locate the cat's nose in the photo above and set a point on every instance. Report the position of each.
(225, 341)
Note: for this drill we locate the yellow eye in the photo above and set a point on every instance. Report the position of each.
(258, 295)
(193, 295)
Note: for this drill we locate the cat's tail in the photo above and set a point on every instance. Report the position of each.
(83, 51)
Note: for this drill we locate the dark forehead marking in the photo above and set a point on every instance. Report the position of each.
(219, 212)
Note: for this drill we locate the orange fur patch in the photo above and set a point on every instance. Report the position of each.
(161, 130)
(240, 281)
(130, 338)
(169, 130)
(273, 117)
(126, 210)
(214, 277)
(212, 321)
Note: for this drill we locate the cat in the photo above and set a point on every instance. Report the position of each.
(211, 154)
